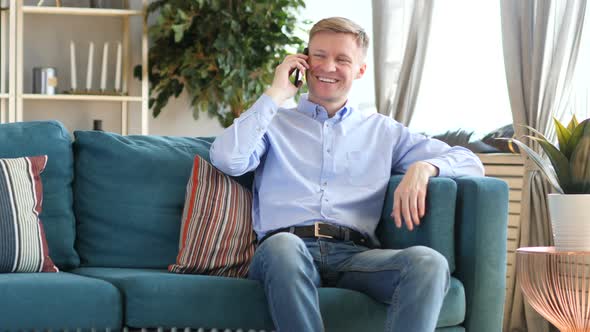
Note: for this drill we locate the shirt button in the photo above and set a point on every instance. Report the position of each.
(325, 184)
(326, 200)
(328, 150)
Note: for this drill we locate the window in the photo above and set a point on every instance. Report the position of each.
(580, 104)
(463, 83)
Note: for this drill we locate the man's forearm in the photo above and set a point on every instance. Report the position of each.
(458, 161)
(429, 168)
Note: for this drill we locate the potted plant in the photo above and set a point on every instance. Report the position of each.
(222, 52)
(568, 171)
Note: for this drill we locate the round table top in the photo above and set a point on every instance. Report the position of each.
(549, 251)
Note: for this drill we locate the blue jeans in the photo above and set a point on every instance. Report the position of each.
(412, 282)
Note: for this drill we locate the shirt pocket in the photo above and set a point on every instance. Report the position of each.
(365, 169)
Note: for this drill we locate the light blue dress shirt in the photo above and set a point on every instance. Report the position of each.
(309, 167)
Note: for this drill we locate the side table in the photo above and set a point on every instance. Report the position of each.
(557, 284)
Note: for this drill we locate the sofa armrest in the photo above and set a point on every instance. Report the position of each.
(482, 217)
(436, 228)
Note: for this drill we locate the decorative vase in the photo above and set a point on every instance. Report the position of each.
(570, 221)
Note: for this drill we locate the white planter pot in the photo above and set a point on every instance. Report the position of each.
(570, 220)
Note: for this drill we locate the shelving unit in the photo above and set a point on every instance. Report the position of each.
(81, 97)
(7, 47)
(22, 13)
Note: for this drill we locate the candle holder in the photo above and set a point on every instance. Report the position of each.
(103, 90)
(96, 92)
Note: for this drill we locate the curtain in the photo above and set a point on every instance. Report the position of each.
(541, 39)
(400, 31)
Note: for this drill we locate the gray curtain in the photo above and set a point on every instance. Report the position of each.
(541, 40)
(400, 32)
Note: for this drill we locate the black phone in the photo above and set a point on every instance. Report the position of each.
(297, 73)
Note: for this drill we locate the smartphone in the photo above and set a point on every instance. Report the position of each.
(297, 73)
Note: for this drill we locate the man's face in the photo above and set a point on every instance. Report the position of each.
(335, 60)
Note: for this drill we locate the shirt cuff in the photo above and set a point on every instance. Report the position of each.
(443, 167)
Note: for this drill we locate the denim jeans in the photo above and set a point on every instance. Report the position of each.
(412, 282)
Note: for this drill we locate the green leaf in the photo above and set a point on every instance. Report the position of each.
(558, 160)
(178, 32)
(544, 166)
(214, 46)
(563, 137)
(573, 124)
(182, 14)
(580, 166)
(582, 129)
(538, 133)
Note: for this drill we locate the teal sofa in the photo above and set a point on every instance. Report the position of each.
(111, 211)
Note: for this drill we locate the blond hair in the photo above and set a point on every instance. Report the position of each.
(342, 25)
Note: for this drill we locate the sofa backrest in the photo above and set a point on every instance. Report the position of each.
(129, 194)
(49, 138)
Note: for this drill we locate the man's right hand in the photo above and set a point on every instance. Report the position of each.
(282, 88)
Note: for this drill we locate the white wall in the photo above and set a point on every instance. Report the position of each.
(46, 44)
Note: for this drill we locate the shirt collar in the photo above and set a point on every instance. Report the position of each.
(319, 113)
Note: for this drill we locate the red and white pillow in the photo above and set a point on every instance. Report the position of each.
(216, 236)
(23, 247)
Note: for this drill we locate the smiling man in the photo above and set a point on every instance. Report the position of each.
(321, 174)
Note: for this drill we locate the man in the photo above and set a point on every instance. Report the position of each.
(322, 169)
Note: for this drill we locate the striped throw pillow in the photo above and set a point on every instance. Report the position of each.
(216, 235)
(23, 247)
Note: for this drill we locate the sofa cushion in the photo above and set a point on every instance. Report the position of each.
(437, 227)
(216, 234)
(58, 301)
(156, 298)
(129, 196)
(24, 247)
(52, 139)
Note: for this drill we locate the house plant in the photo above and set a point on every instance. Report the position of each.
(568, 171)
(222, 52)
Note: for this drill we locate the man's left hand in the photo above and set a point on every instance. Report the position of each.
(409, 199)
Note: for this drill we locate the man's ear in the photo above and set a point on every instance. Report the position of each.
(361, 71)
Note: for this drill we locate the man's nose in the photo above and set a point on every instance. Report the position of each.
(331, 65)
(328, 65)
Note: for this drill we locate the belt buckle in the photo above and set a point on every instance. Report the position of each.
(316, 230)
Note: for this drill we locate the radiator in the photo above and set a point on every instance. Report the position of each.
(191, 330)
(126, 329)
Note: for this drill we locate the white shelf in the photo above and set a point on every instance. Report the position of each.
(3, 95)
(21, 14)
(80, 11)
(33, 96)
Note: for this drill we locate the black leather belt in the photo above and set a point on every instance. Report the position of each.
(323, 230)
